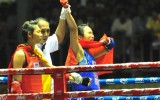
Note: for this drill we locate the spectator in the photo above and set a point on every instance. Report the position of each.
(121, 30)
(139, 32)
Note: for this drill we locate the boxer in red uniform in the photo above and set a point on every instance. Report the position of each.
(24, 57)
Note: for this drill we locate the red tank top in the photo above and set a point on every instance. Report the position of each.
(29, 83)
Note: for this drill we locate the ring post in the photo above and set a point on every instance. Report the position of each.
(59, 85)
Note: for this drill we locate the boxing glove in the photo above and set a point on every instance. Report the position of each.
(110, 44)
(86, 81)
(16, 87)
(64, 3)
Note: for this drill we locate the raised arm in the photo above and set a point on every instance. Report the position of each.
(74, 43)
(61, 29)
(76, 47)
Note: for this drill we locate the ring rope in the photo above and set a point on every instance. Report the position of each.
(130, 80)
(77, 94)
(49, 70)
(115, 80)
(149, 97)
(113, 92)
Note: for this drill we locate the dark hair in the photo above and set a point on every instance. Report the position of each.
(41, 18)
(28, 27)
(80, 29)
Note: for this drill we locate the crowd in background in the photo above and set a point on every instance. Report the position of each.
(134, 24)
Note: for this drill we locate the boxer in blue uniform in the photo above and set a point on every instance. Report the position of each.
(83, 51)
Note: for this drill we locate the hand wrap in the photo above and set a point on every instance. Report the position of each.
(77, 78)
(64, 11)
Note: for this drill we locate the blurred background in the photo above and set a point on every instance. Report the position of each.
(134, 24)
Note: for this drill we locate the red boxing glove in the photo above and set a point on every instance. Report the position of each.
(64, 3)
(16, 87)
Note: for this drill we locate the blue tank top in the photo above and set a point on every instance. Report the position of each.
(87, 60)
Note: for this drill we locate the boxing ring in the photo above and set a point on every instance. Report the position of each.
(61, 93)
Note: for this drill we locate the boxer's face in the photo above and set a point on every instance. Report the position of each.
(36, 36)
(88, 33)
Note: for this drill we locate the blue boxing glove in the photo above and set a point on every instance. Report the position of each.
(110, 44)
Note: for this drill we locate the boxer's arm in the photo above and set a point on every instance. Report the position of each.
(74, 43)
(78, 79)
(108, 45)
(61, 28)
(18, 62)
